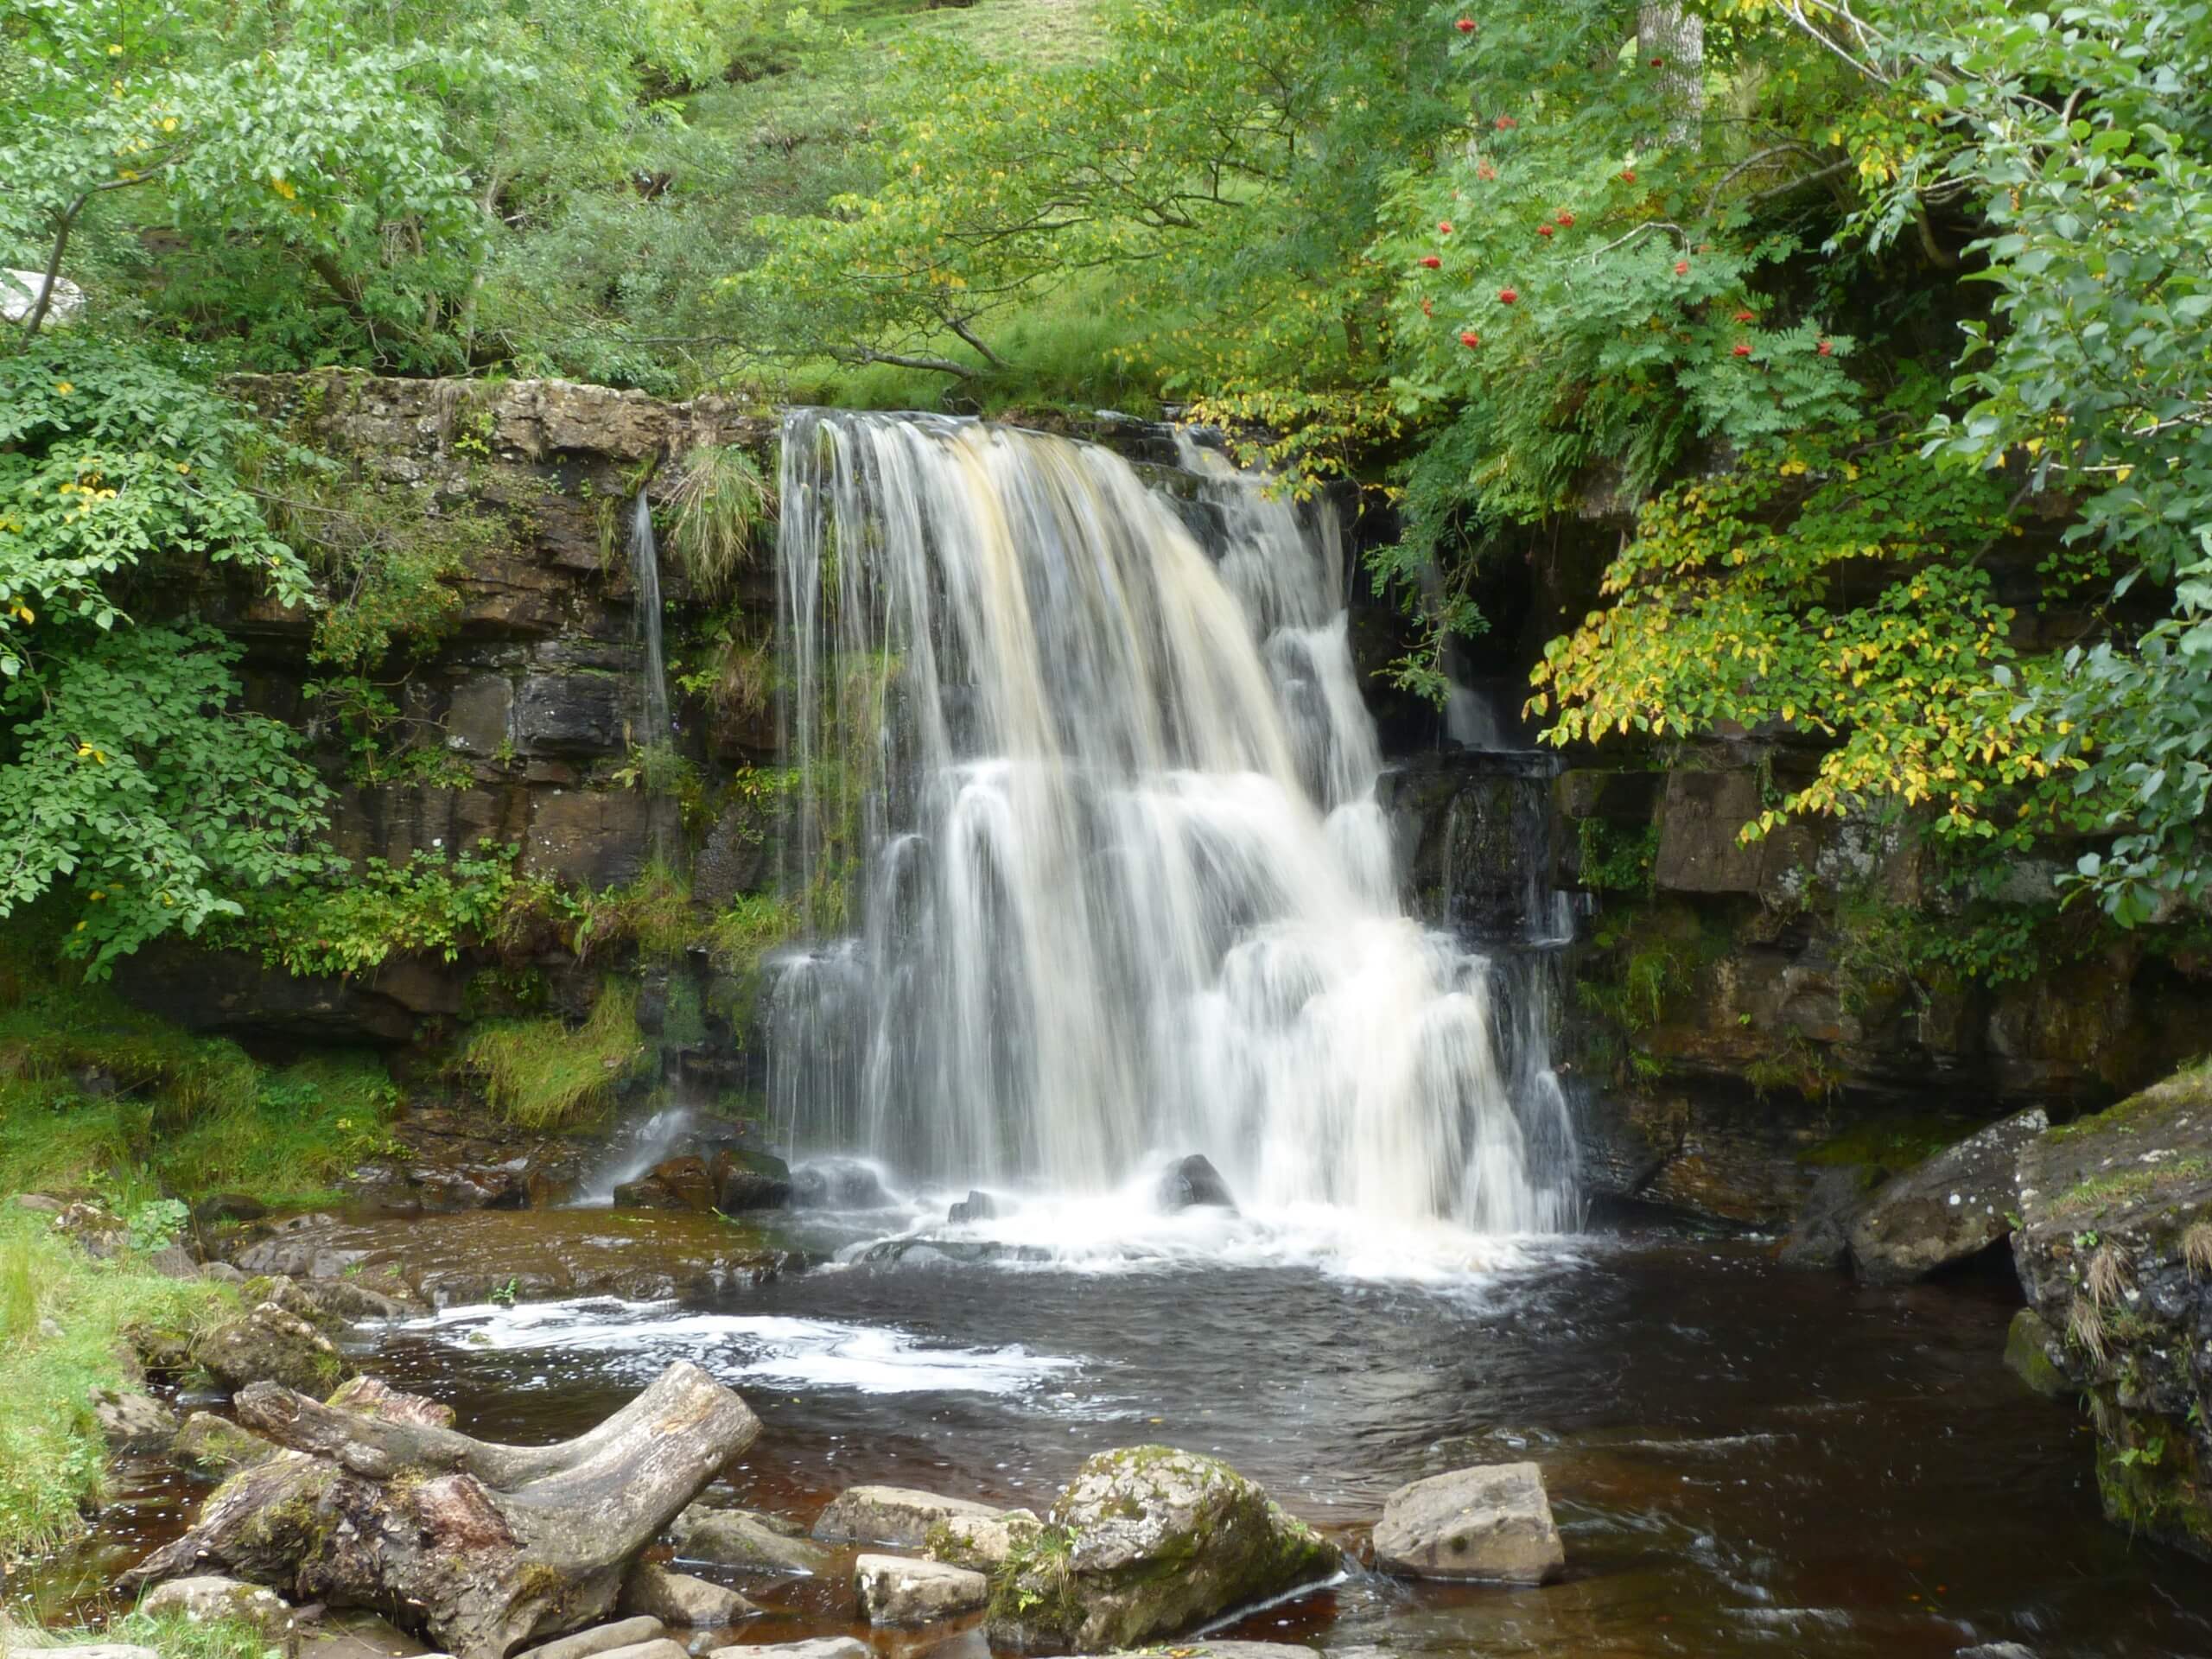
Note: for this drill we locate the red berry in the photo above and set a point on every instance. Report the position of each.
(1746, 316)
(1825, 349)
(1566, 217)
(1466, 25)
(1431, 261)
(1444, 227)
(1658, 63)
(1543, 230)
(1743, 349)
(1628, 175)
(1471, 339)
(1682, 267)
(1427, 306)
(1507, 296)
(1505, 124)
(1484, 170)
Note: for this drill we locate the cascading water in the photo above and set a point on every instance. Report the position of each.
(1087, 836)
(664, 822)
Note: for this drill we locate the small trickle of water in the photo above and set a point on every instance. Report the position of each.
(1089, 837)
(657, 726)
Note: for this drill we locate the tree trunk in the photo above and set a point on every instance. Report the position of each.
(380, 1503)
(1676, 41)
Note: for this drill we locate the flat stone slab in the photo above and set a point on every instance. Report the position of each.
(1955, 1205)
(209, 1597)
(899, 1590)
(747, 1541)
(826, 1647)
(358, 1634)
(893, 1514)
(1492, 1522)
(982, 1544)
(678, 1599)
(1243, 1650)
(604, 1638)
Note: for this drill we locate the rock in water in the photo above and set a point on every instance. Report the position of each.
(893, 1514)
(2114, 1251)
(1148, 1542)
(895, 1590)
(746, 1181)
(680, 1599)
(1492, 1522)
(977, 1206)
(1194, 1181)
(824, 1647)
(208, 1445)
(750, 1542)
(983, 1543)
(605, 1638)
(1955, 1205)
(837, 1184)
(132, 1422)
(209, 1598)
(270, 1345)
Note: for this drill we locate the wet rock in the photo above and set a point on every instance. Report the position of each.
(982, 1543)
(355, 1633)
(1995, 1650)
(228, 1207)
(1821, 1236)
(946, 1252)
(202, 1599)
(1150, 1542)
(1492, 1523)
(112, 1651)
(1955, 1205)
(604, 1638)
(593, 838)
(298, 1247)
(132, 1422)
(660, 1648)
(747, 1541)
(837, 1184)
(1194, 1181)
(827, 1646)
(174, 1263)
(895, 1590)
(270, 1345)
(674, 1184)
(1264, 1651)
(2033, 1352)
(746, 1181)
(893, 1514)
(678, 1599)
(977, 1206)
(216, 1447)
(2114, 1251)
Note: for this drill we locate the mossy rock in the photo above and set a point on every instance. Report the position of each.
(2027, 1351)
(1148, 1543)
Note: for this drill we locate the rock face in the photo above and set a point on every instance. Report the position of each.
(1194, 1181)
(1493, 1523)
(977, 1206)
(2115, 1253)
(1147, 1542)
(896, 1590)
(747, 1541)
(837, 1184)
(1955, 1205)
(893, 1514)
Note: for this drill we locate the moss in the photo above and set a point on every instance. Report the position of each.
(2026, 1354)
(2100, 1194)
(540, 1075)
(1894, 1142)
(2148, 1478)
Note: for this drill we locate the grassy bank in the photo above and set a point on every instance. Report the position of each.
(63, 1323)
(173, 1638)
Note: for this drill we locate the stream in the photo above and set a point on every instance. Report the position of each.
(1743, 1459)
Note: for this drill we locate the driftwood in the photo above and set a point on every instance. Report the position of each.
(378, 1502)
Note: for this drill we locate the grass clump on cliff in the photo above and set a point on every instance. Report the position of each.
(540, 1074)
(722, 507)
(63, 1320)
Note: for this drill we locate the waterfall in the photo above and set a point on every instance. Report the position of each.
(1088, 839)
(663, 820)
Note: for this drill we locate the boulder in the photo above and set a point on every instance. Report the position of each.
(659, 1648)
(838, 1184)
(977, 1206)
(228, 1206)
(1492, 1522)
(604, 1638)
(2033, 1352)
(267, 1345)
(2114, 1251)
(1821, 1235)
(982, 1543)
(132, 1422)
(824, 1647)
(217, 1448)
(746, 1181)
(357, 1633)
(893, 1514)
(208, 1597)
(678, 1599)
(39, 1203)
(1955, 1205)
(673, 1184)
(747, 1541)
(895, 1590)
(1261, 1650)
(1194, 1181)
(1148, 1542)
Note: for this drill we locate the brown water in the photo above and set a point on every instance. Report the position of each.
(1743, 1460)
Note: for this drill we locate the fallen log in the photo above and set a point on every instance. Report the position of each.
(377, 1502)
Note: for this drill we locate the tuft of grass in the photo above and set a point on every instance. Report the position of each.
(172, 1636)
(2085, 1324)
(722, 505)
(2196, 1248)
(62, 1340)
(539, 1074)
(2106, 1276)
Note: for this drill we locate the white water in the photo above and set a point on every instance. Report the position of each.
(664, 820)
(1090, 838)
